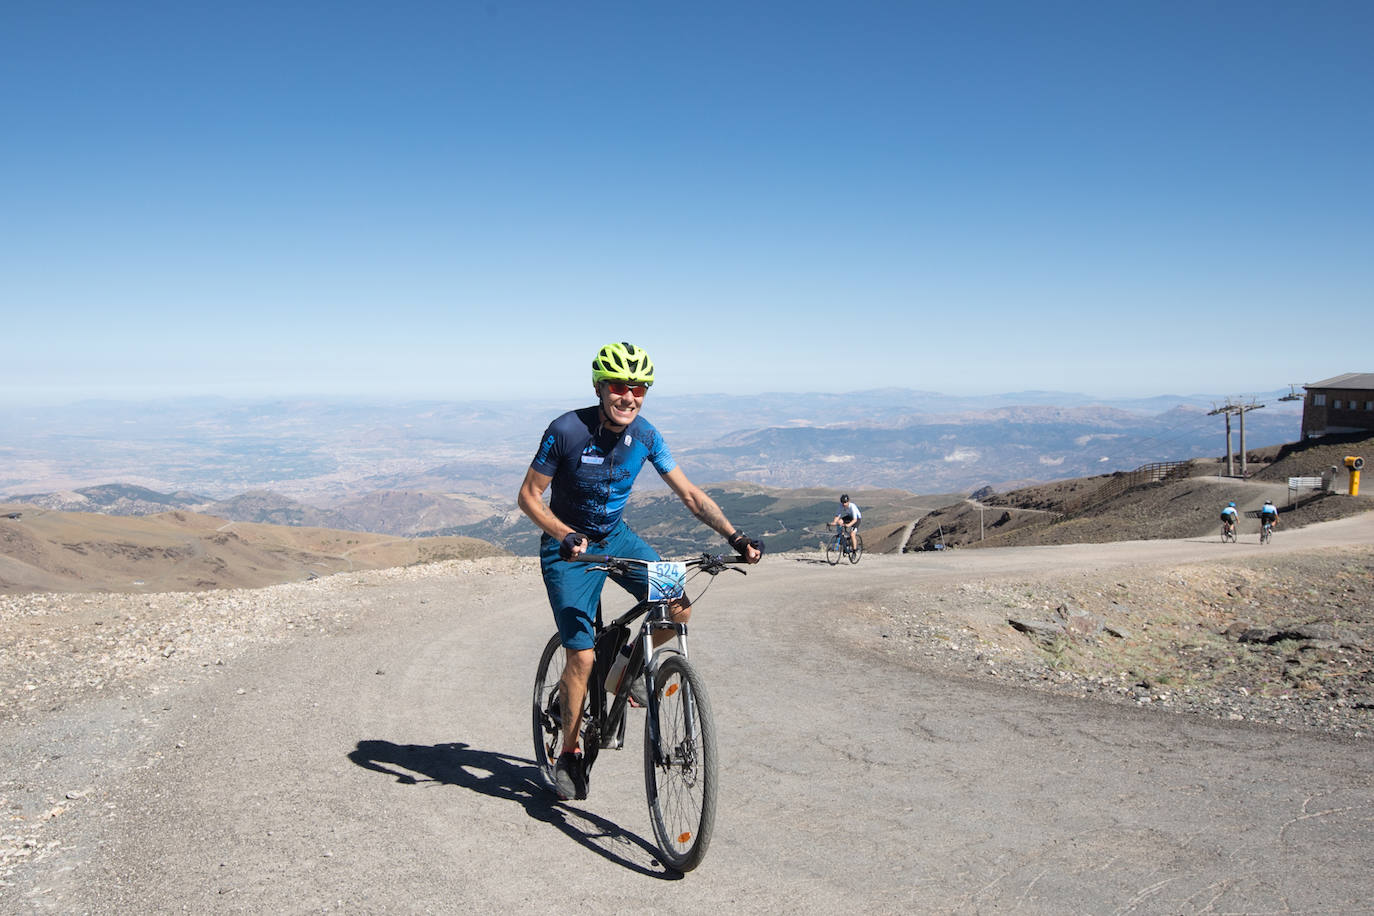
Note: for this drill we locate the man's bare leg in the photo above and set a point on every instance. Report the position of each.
(681, 612)
(573, 689)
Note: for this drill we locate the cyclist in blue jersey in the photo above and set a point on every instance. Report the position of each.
(590, 457)
(1269, 514)
(1229, 516)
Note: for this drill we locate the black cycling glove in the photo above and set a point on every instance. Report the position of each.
(570, 540)
(741, 542)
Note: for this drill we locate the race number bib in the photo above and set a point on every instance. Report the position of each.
(667, 581)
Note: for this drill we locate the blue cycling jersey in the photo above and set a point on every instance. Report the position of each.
(593, 468)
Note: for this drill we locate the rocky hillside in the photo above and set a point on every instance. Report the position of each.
(1186, 505)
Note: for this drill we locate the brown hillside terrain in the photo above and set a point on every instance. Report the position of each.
(1063, 512)
(1315, 456)
(184, 551)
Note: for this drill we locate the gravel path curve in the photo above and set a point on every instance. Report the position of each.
(361, 743)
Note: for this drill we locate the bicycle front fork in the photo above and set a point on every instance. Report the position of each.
(661, 621)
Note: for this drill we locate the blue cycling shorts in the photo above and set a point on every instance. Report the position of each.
(575, 588)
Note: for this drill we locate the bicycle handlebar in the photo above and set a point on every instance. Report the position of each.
(707, 562)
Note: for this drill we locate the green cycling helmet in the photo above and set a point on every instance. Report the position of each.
(622, 362)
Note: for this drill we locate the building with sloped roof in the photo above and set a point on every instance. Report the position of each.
(1344, 404)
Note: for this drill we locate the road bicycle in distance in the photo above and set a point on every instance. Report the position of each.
(1228, 532)
(679, 733)
(838, 548)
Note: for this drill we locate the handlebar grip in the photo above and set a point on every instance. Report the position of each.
(591, 558)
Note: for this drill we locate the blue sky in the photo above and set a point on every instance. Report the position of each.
(465, 200)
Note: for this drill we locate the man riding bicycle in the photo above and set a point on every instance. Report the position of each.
(849, 517)
(1269, 514)
(590, 457)
(1229, 516)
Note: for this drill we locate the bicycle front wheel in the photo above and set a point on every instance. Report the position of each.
(858, 550)
(680, 774)
(832, 553)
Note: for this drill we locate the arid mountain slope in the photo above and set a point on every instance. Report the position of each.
(178, 551)
(1187, 505)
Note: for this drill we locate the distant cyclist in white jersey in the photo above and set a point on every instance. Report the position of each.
(848, 516)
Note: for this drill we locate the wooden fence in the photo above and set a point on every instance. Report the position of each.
(1122, 481)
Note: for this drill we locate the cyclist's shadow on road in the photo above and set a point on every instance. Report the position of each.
(515, 779)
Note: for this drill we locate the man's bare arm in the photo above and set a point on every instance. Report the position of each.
(698, 503)
(531, 502)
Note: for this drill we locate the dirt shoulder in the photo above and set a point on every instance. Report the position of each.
(1286, 639)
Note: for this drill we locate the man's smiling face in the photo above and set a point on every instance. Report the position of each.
(620, 402)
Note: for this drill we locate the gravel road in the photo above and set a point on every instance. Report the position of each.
(371, 752)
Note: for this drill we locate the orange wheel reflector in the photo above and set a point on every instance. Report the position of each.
(684, 837)
(672, 689)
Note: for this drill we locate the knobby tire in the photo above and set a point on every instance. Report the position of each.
(681, 788)
(548, 716)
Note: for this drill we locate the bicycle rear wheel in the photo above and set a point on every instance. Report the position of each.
(858, 550)
(548, 713)
(680, 780)
(832, 553)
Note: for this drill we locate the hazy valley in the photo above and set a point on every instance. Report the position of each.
(414, 469)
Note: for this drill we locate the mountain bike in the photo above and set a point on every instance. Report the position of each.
(1266, 531)
(1228, 532)
(679, 732)
(839, 548)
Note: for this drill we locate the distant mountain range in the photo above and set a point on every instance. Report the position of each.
(789, 519)
(426, 467)
(1000, 447)
(382, 512)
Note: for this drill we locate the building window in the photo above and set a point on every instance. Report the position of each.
(1336, 404)
(1318, 400)
(1369, 405)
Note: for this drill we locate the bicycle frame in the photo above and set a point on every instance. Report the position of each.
(680, 757)
(657, 614)
(842, 539)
